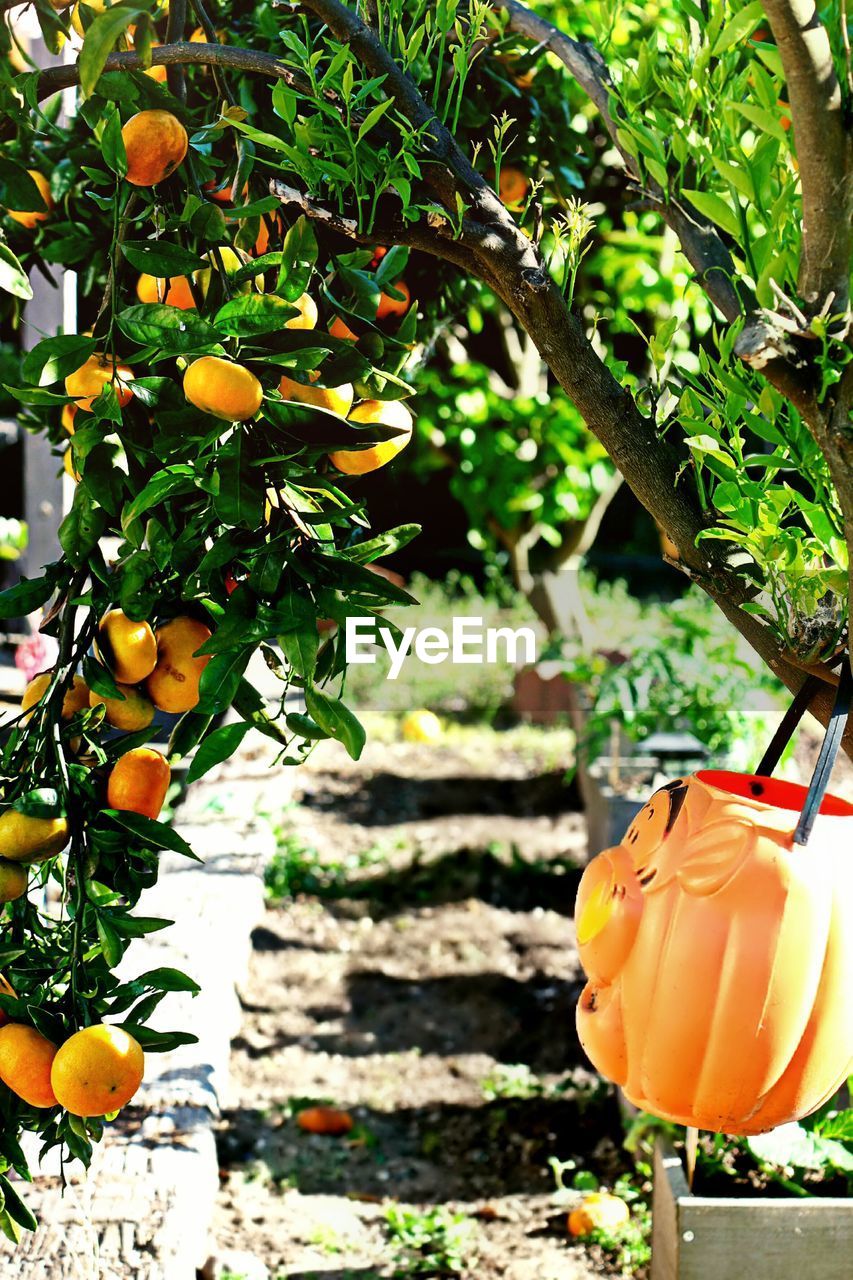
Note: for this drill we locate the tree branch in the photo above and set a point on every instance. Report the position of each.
(823, 150)
(175, 32)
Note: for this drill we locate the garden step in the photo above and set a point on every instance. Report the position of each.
(144, 1210)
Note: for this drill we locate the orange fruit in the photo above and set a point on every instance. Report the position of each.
(379, 252)
(336, 399)
(222, 388)
(390, 413)
(156, 143)
(211, 188)
(96, 6)
(87, 382)
(265, 235)
(173, 684)
(6, 987)
(26, 1058)
(14, 879)
(232, 260)
(340, 329)
(27, 839)
(69, 413)
(97, 1070)
(128, 648)
(76, 697)
(174, 291)
(325, 1120)
(420, 726)
(598, 1211)
(513, 187)
(138, 782)
(307, 318)
(131, 714)
(30, 218)
(389, 306)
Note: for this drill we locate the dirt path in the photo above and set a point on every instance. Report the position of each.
(429, 987)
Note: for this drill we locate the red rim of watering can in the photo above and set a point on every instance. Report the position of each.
(829, 749)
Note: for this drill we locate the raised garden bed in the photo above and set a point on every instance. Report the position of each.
(697, 1237)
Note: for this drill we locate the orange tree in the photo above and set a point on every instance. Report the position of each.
(242, 350)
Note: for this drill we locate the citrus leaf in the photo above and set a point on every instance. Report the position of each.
(13, 277)
(55, 358)
(218, 746)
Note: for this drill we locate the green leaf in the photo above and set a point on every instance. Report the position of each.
(54, 358)
(158, 1041)
(337, 720)
(42, 802)
(384, 544)
(111, 947)
(714, 207)
(221, 678)
(167, 980)
(158, 258)
(218, 746)
(299, 254)
(739, 27)
(82, 528)
(373, 117)
(304, 727)
(17, 189)
(158, 325)
(253, 313)
(112, 142)
(155, 834)
(25, 597)
(249, 704)
(240, 500)
(13, 277)
(791, 1144)
(300, 648)
(180, 478)
(100, 40)
(764, 121)
(15, 1207)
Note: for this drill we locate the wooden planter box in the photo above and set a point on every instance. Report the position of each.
(723, 1238)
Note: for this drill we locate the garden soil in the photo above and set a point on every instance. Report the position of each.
(428, 986)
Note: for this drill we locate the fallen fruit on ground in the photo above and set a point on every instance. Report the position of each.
(97, 1071)
(336, 399)
(173, 684)
(598, 1211)
(222, 388)
(131, 713)
(390, 413)
(76, 697)
(156, 143)
(174, 291)
(128, 647)
(26, 1058)
(138, 782)
(27, 839)
(13, 880)
(389, 306)
(30, 218)
(420, 725)
(87, 382)
(329, 1121)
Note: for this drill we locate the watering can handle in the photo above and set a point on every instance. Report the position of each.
(829, 749)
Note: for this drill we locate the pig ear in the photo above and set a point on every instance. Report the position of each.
(714, 853)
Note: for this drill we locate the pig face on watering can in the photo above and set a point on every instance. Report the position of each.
(720, 954)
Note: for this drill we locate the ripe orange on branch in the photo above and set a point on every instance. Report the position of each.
(222, 388)
(390, 413)
(139, 782)
(308, 314)
(97, 1070)
(128, 647)
(389, 306)
(76, 697)
(156, 143)
(173, 684)
(30, 218)
(87, 382)
(14, 879)
(132, 712)
(26, 1058)
(173, 292)
(24, 838)
(336, 399)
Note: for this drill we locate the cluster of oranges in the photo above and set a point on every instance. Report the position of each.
(100, 1067)
(156, 143)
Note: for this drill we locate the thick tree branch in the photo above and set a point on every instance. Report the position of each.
(175, 32)
(823, 150)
